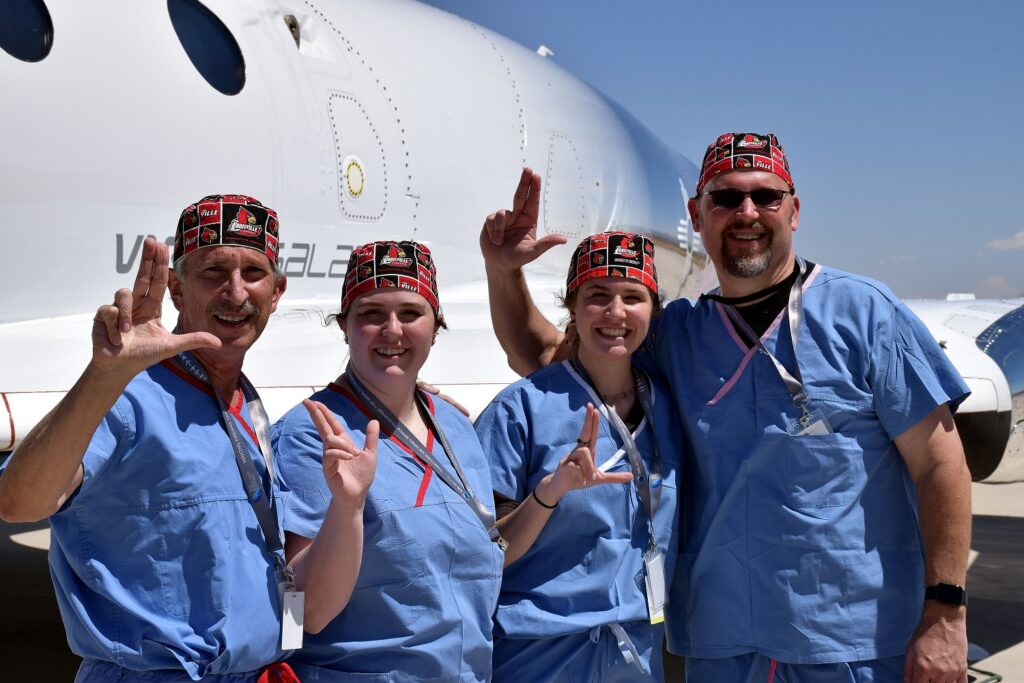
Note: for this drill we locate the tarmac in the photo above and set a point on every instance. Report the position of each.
(33, 646)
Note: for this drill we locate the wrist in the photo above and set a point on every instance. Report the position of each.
(549, 491)
(349, 507)
(951, 595)
(103, 379)
(546, 494)
(502, 274)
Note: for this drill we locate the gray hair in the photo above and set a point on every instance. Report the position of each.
(179, 268)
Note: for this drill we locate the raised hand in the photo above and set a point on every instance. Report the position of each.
(348, 470)
(509, 237)
(128, 334)
(578, 470)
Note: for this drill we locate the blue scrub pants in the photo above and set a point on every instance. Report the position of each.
(97, 671)
(592, 656)
(755, 668)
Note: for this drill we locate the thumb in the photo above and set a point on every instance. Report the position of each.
(547, 242)
(193, 340)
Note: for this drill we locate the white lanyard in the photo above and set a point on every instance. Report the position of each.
(648, 486)
(794, 312)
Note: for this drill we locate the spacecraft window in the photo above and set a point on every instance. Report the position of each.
(26, 30)
(209, 44)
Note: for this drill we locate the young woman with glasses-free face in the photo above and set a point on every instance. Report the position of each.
(574, 583)
(422, 600)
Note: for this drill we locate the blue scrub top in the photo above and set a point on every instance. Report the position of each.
(586, 567)
(158, 561)
(804, 549)
(429, 578)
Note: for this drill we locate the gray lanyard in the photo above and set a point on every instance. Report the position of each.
(394, 426)
(794, 312)
(648, 488)
(262, 504)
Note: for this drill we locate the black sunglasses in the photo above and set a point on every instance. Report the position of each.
(763, 197)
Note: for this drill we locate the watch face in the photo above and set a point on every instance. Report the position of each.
(946, 593)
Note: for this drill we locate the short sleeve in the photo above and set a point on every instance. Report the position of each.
(911, 374)
(111, 440)
(503, 436)
(299, 453)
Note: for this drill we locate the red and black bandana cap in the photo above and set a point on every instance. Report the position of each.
(386, 264)
(613, 254)
(233, 220)
(750, 151)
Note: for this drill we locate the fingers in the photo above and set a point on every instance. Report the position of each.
(522, 195)
(531, 207)
(123, 300)
(372, 433)
(158, 284)
(495, 227)
(116, 318)
(429, 388)
(588, 435)
(106, 318)
(144, 278)
(594, 422)
(315, 410)
(585, 429)
(614, 477)
(332, 421)
(333, 433)
(586, 463)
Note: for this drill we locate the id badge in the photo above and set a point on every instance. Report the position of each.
(654, 580)
(816, 424)
(293, 606)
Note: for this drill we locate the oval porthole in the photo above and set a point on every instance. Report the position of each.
(26, 30)
(209, 44)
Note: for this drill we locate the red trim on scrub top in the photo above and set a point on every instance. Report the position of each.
(236, 402)
(428, 470)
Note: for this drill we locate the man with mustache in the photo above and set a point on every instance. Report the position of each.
(826, 513)
(156, 473)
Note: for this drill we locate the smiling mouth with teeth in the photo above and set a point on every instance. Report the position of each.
(612, 331)
(236, 316)
(236, 319)
(390, 352)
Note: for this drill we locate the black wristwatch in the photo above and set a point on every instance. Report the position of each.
(947, 593)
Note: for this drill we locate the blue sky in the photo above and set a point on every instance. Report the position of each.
(903, 121)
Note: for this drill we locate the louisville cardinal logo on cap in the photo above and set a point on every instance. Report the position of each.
(616, 254)
(251, 225)
(733, 151)
(387, 264)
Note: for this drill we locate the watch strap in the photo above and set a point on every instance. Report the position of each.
(947, 593)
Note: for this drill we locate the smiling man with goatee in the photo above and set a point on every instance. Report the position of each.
(826, 513)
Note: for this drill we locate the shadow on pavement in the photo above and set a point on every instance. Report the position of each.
(33, 646)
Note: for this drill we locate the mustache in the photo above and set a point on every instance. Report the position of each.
(247, 308)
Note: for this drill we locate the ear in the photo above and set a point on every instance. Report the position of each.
(174, 286)
(279, 287)
(796, 213)
(691, 206)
